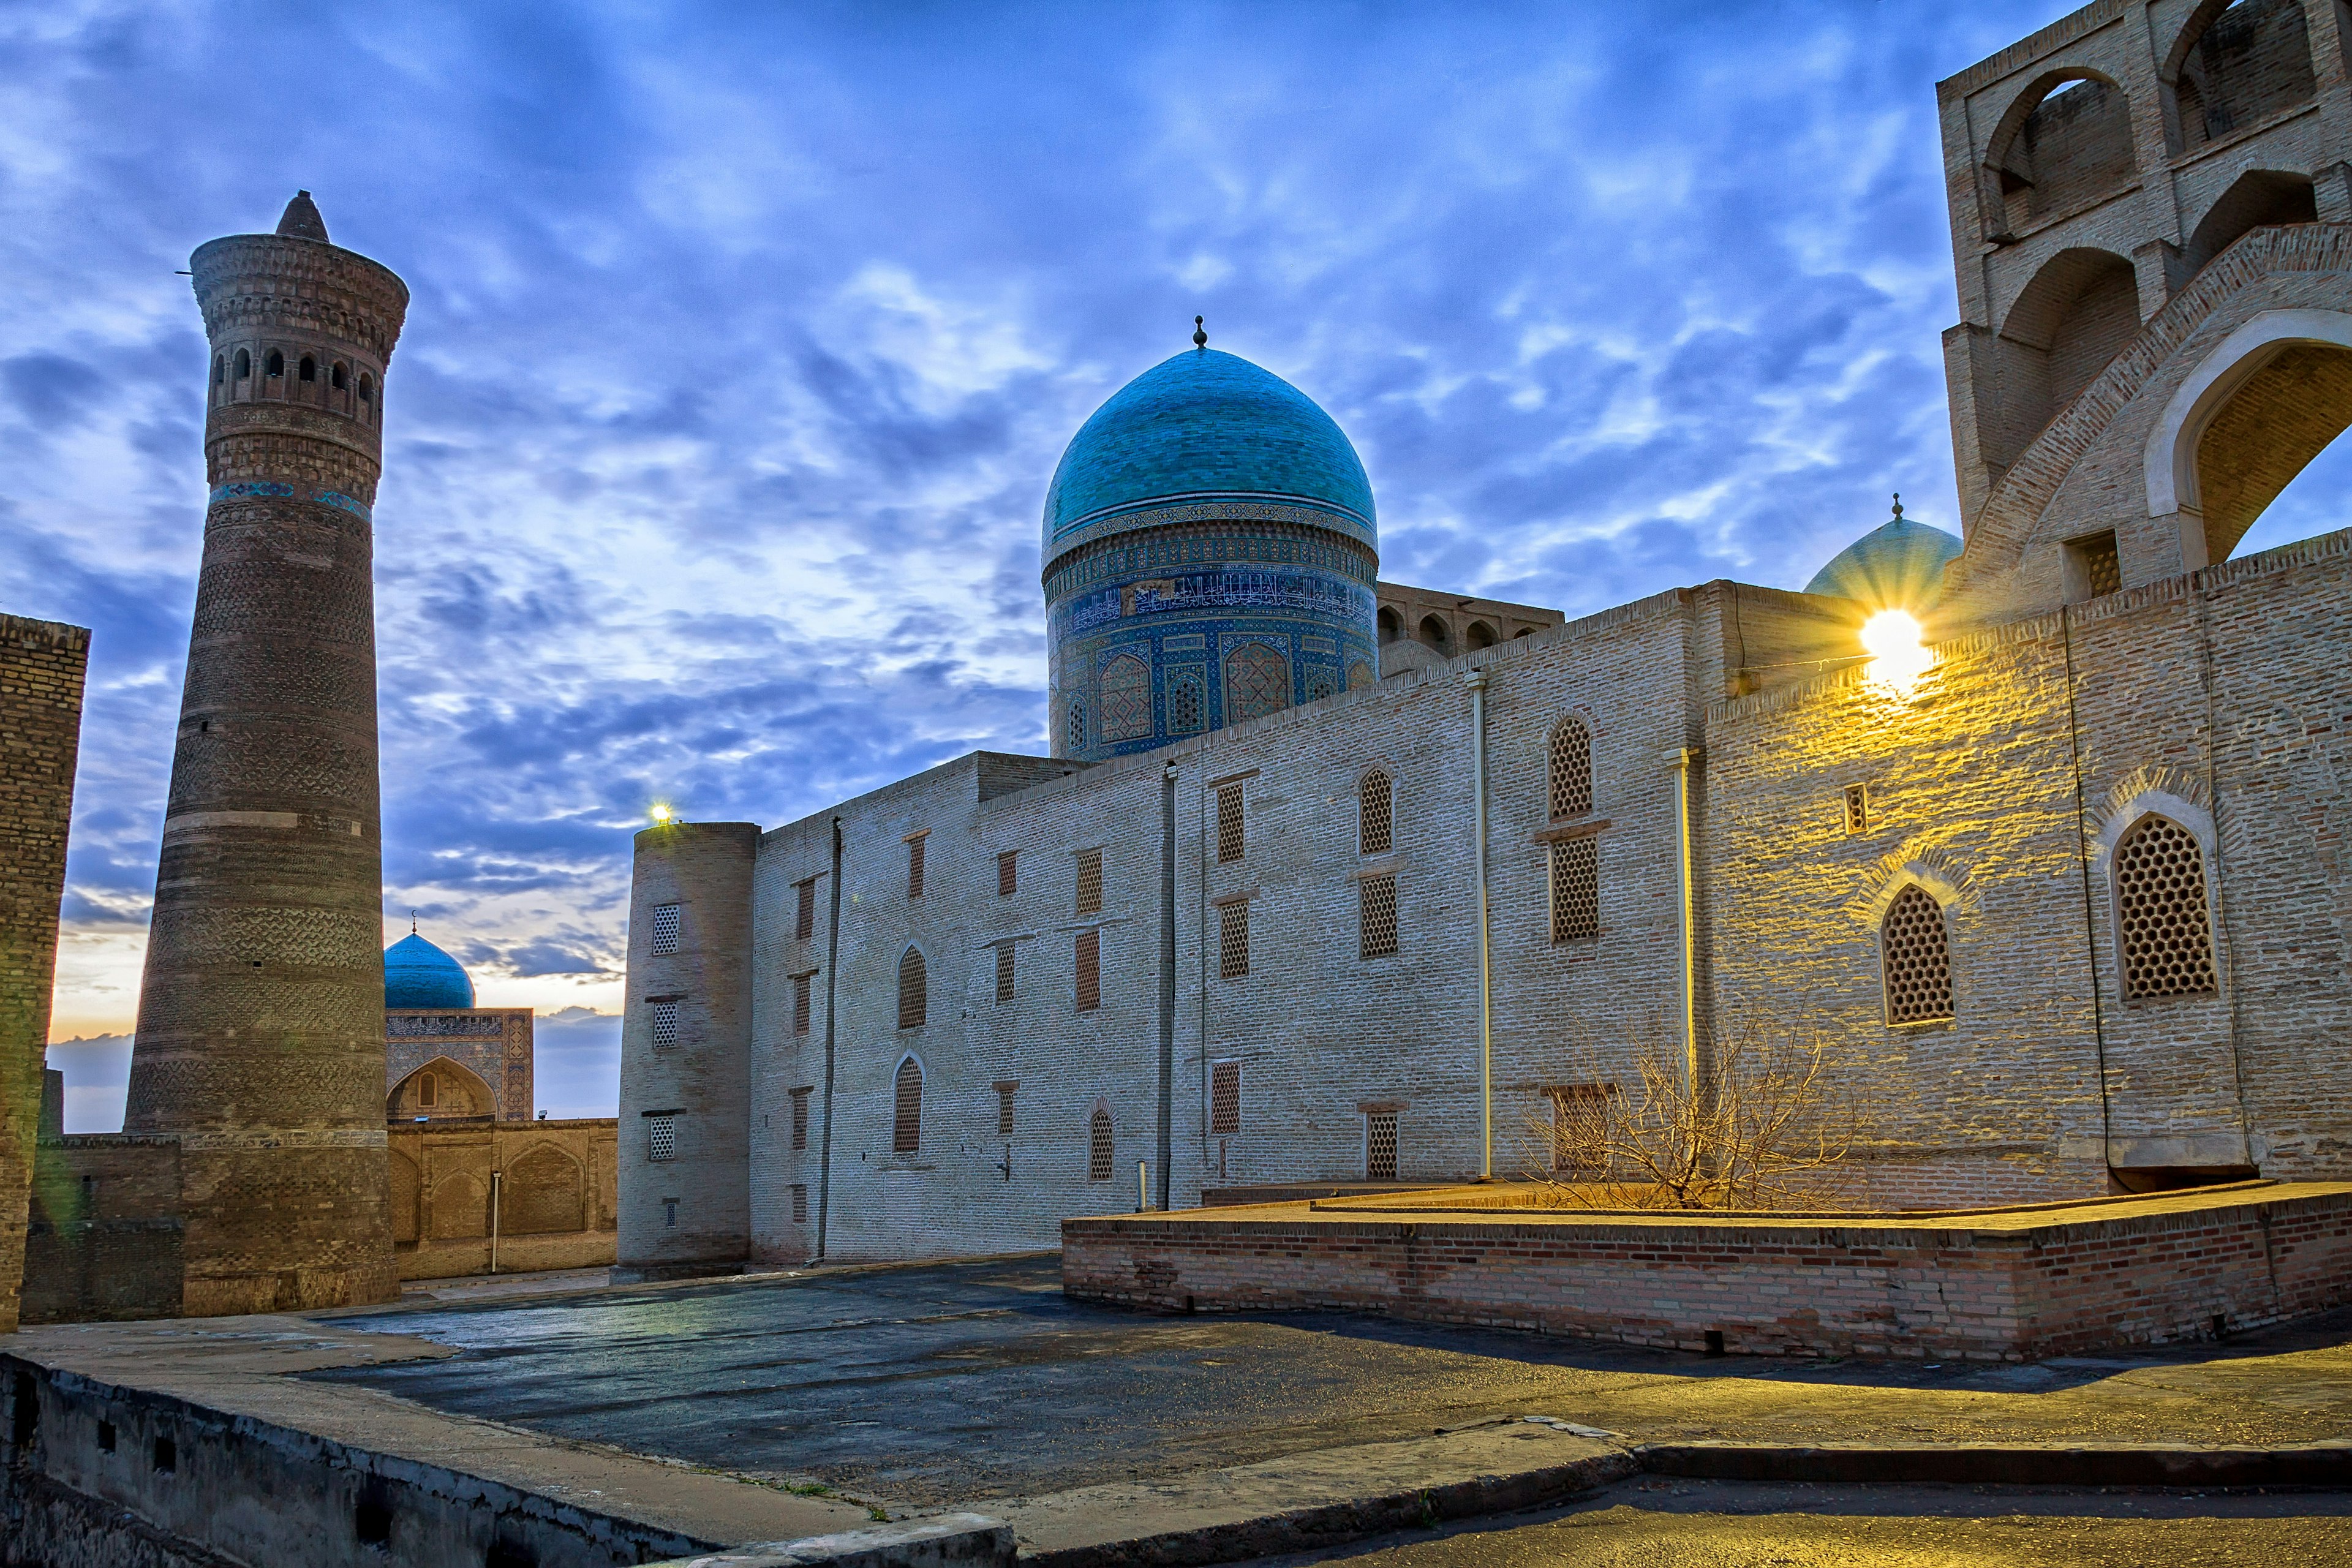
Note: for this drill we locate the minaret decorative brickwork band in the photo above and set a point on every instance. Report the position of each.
(260, 1038)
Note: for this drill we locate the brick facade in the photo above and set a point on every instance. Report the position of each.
(42, 667)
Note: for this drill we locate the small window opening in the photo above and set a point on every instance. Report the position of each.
(2093, 567)
(907, 1109)
(805, 920)
(1376, 916)
(1005, 972)
(1381, 1146)
(1857, 810)
(1187, 701)
(372, 1523)
(1480, 635)
(1224, 1098)
(275, 364)
(428, 1092)
(1432, 633)
(661, 1139)
(1004, 1093)
(1090, 882)
(1006, 877)
(803, 987)
(1089, 970)
(1229, 822)
(1391, 625)
(167, 1457)
(664, 1024)
(1100, 1151)
(665, 929)
(308, 370)
(670, 1214)
(339, 378)
(1916, 959)
(1233, 940)
(1375, 817)
(367, 387)
(1078, 727)
(1575, 891)
(800, 1203)
(243, 364)
(220, 370)
(2160, 910)
(106, 1437)
(1571, 769)
(914, 991)
(915, 865)
(801, 1117)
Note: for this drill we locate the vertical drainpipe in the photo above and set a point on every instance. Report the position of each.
(1167, 975)
(1476, 681)
(1681, 760)
(832, 995)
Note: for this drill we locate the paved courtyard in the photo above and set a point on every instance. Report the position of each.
(926, 1385)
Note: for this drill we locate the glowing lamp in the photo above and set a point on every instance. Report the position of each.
(1891, 637)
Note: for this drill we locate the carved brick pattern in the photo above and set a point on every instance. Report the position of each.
(2167, 938)
(1914, 959)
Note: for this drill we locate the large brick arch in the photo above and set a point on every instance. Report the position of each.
(543, 1192)
(2249, 417)
(453, 1077)
(2069, 322)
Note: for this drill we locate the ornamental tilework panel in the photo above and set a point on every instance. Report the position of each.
(1257, 682)
(1126, 698)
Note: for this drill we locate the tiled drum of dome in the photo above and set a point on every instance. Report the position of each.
(1209, 557)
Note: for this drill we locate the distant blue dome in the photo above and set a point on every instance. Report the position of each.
(418, 974)
(1205, 426)
(1899, 564)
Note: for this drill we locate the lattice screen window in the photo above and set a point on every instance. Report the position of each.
(800, 1203)
(2167, 938)
(1322, 681)
(1077, 726)
(1224, 1098)
(1579, 1128)
(1571, 769)
(914, 991)
(1376, 916)
(1089, 970)
(800, 1118)
(805, 921)
(1380, 1146)
(665, 1022)
(1005, 880)
(907, 1109)
(1375, 813)
(1187, 701)
(1004, 1093)
(915, 865)
(1914, 959)
(661, 1137)
(1576, 890)
(1233, 940)
(2098, 565)
(1857, 810)
(1229, 822)
(1100, 1150)
(1004, 974)
(801, 989)
(1090, 898)
(665, 929)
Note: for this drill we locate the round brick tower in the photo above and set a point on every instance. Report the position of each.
(261, 1039)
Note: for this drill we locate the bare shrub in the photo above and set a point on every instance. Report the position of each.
(1764, 1123)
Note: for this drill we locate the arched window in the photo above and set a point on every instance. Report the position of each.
(2077, 314)
(914, 991)
(1099, 1146)
(367, 387)
(1480, 635)
(2239, 61)
(1127, 699)
(2256, 199)
(275, 364)
(1571, 769)
(339, 378)
(2161, 921)
(1257, 682)
(220, 370)
(1078, 727)
(243, 364)
(1432, 631)
(907, 1109)
(1391, 625)
(1375, 820)
(1187, 701)
(1914, 962)
(308, 370)
(2074, 145)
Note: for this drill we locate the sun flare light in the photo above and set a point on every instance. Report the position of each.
(662, 815)
(1891, 637)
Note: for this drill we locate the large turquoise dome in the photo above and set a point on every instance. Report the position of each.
(1897, 565)
(1210, 558)
(1202, 426)
(418, 974)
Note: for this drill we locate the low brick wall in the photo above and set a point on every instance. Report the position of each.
(1996, 1285)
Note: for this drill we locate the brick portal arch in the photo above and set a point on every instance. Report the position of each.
(2248, 419)
(456, 1090)
(543, 1192)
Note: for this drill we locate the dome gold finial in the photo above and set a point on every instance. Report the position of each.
(1898, 503)
(1200, 334)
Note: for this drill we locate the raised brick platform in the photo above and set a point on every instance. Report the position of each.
(1998, 1285)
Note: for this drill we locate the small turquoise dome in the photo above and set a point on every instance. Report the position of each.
(1204, 426)
(418, 974)
(1899, 564)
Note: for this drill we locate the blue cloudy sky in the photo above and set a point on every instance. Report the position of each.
(744, 339)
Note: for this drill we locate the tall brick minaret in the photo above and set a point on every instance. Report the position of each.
(260, 1038)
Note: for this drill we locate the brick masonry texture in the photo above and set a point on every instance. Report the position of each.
(1987, 1287)
(42, 665)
